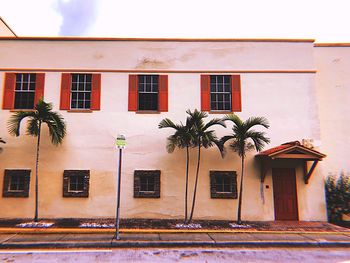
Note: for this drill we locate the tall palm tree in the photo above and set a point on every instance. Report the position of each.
(182, 138)
(203, 137)
(244, 139)
(42, 114)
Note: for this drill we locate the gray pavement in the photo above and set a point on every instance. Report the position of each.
(130, 240)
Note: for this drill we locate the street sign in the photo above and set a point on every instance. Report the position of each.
(120, 142)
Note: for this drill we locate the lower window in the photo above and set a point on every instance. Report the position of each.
(147, 183)
(16, 183)
(223, 184)
(76, 183)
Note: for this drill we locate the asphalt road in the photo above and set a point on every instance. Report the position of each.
(180, 255)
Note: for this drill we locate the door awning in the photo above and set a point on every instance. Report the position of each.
(290, 150)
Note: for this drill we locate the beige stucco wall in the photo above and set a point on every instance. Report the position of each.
(274, 90)
(333, 92)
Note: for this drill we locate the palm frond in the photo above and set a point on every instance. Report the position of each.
(57, 127)
(242, 133)
(167, 123)
(33, 127)
(215, 121)
(233, 118)
(14, 123)
(253, 121)
(258, 138)
(171, 144)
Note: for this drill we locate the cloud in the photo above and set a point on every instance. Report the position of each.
(78, 16)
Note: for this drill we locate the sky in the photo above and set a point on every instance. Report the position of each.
(323, 20)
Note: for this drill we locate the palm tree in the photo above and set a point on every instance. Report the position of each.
(243, 139)
(42, 114)
(203, 137)
(182, 138)
(1, 141)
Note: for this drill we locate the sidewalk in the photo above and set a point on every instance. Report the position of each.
(15, 238)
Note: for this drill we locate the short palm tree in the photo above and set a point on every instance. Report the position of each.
(42, 114)
(244, 139)
(203, 137)
(182, 138)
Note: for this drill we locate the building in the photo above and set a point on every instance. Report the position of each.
(109, 86)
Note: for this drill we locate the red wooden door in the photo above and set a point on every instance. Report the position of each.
(285, 194)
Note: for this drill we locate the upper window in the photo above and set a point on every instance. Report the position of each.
(147, 183)
(148, 93)
(220, 93)
(16, 183)
(81, 91)
(23, 90)
(223, 184)
(76, 183)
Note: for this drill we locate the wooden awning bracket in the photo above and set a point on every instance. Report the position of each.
(307, 174)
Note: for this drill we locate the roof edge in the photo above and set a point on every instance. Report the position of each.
(13, 32)
(60, 38)
(332, 44)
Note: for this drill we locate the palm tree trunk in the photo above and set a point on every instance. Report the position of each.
(239, 221)
(186, 188)
(195, 184)
(36, 176)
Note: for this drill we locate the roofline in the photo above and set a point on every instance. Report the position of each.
(332, 44)
(2, 20)
(321, 155)
(38, 38)
(298, 146)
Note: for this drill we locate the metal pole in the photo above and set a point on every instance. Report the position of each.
(118, 196)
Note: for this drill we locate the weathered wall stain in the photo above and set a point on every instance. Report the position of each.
(151, 63)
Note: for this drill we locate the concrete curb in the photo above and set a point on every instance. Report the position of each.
(19, 230)
(140, 244)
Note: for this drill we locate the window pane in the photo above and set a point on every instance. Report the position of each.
(148, 92)
(74, 77)
(32, 86)
(81, 91)
(16, 183)
(76, 183)
(88, 86)
(147, 183)
(220, 90)
(25, 77)
(81, 86)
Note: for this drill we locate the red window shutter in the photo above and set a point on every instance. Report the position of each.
(65, 91)
(236, 93)
(39, 87)
(163, 93)
(9, 91)
(96, 92)
(132, 101)
(205, 92)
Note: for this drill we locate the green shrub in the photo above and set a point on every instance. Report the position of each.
(337, 196)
